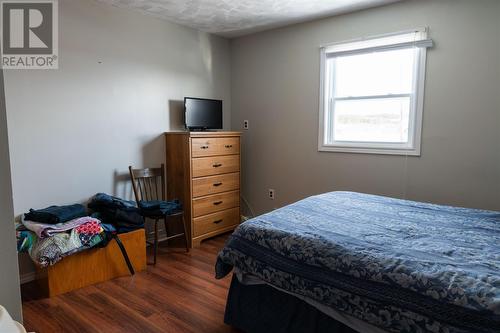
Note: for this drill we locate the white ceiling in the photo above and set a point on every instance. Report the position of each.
(233, 18)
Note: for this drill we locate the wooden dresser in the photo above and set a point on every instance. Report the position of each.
(203, 171)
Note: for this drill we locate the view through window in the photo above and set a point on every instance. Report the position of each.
(372, 95)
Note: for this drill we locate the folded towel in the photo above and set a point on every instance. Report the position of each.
(56, 214)
(159, 207)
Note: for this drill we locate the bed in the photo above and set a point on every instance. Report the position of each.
(365, 263)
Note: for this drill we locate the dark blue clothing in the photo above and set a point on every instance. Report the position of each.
(156, 208)
(106, 200)
(123, 214)
(56, 214)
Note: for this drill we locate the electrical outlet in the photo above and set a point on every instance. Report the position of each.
(245, 124)
(271, 194)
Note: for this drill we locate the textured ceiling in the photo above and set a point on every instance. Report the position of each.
(239, 17)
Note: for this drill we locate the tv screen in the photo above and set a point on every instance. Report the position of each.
(203, 113)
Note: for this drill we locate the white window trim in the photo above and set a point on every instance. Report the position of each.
(412, 148)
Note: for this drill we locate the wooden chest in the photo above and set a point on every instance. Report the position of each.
(94, 265)
(203, 171)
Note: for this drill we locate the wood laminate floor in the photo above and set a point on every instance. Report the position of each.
(179, 294)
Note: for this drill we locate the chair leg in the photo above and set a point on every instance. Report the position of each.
(165, 225)
(185, 233)
(155, 246)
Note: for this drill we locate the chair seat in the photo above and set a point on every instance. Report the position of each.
(161, 216)
(159, 208)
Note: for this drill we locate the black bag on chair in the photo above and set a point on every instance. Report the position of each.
(123, 214)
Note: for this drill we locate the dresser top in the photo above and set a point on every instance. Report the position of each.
(205, 134)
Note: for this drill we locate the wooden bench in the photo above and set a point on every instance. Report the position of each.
(94, 265)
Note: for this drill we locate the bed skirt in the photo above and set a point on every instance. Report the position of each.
(261, 309)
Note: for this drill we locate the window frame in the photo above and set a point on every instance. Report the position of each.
(413, 146)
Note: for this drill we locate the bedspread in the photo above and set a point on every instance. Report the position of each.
(401, 265)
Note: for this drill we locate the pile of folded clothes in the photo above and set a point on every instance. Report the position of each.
(52, 233)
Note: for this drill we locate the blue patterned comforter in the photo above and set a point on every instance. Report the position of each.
(401, 265)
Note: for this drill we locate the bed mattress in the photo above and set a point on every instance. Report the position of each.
(400, 265)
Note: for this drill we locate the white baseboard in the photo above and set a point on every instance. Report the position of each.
(27, 277)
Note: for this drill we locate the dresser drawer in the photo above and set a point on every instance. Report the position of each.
(214, 146)
(216, 184)
(215, 203)
(214, 165)
(216, 221)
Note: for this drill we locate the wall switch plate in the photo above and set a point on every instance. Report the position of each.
(271, 194)
(245, 124)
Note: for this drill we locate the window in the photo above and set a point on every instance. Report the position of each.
(372, 94)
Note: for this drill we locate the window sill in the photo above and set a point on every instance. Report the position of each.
(379, 151)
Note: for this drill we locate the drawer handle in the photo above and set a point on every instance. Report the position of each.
(218, 221)
(218, 184)
(228, 146)
(216, 165)
(217, 203)
(204, 147)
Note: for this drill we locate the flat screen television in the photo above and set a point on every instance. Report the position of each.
(202, 114)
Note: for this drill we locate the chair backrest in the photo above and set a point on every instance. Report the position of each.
(149, 183)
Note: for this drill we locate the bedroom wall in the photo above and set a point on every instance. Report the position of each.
(10, 295)
(275, 85)
(120, 84)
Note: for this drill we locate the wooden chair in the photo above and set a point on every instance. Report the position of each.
(145, 185)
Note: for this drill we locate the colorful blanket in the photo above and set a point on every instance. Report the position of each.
(50, 250)
(400, 265)
(43, 230)
(25, 240)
